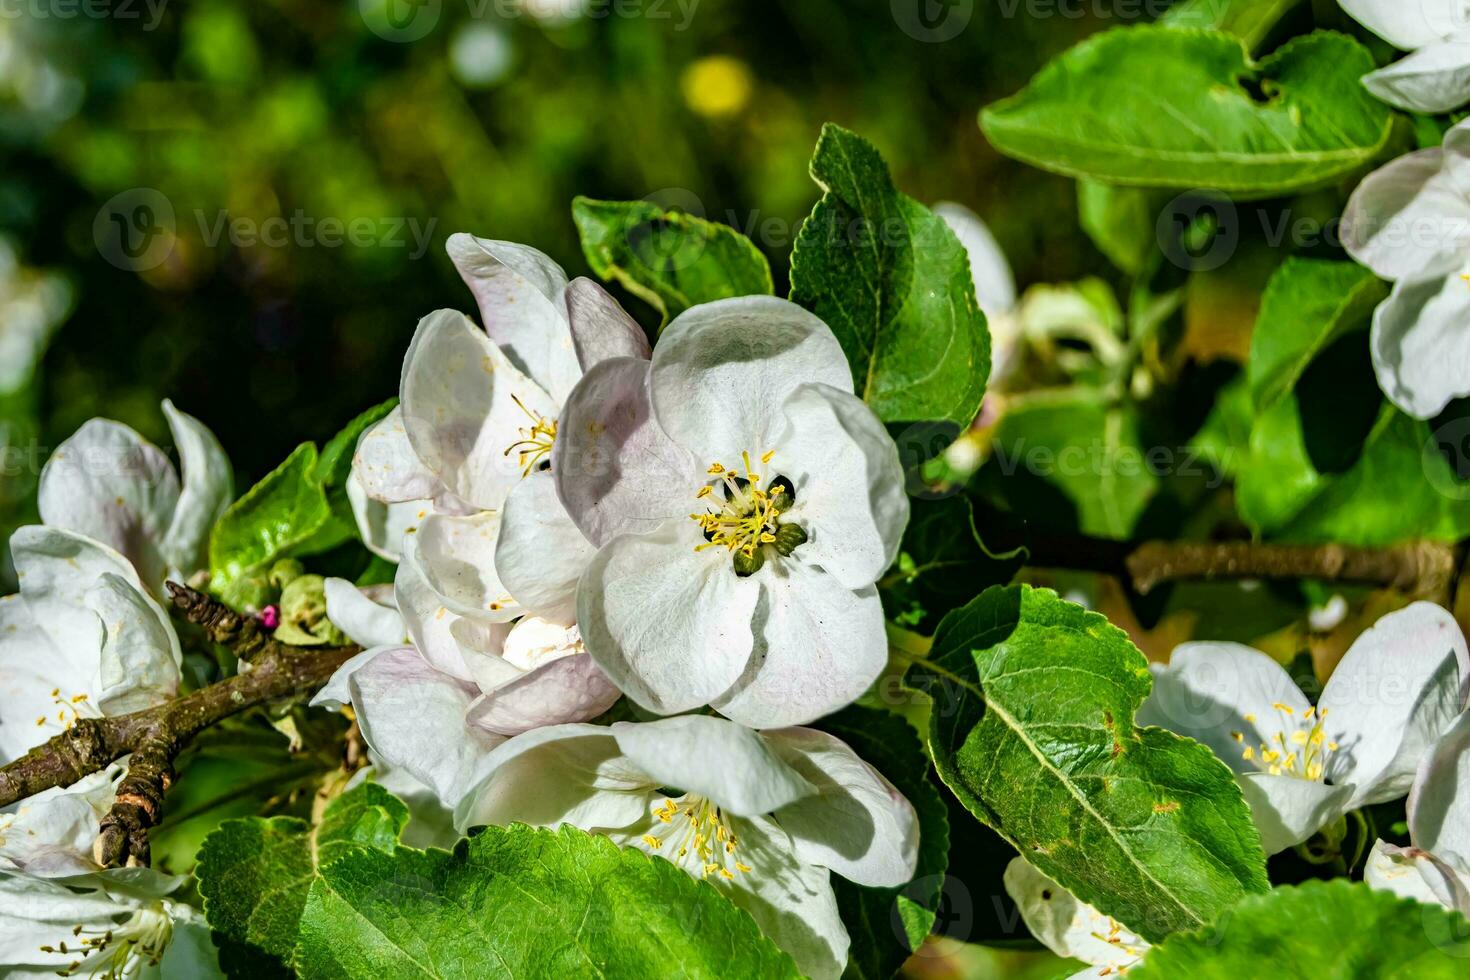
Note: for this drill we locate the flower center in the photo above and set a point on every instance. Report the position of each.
(748, 518)
(694, 830)
(117, 952)
(69, 710)
(1298, 748)
(534, 445)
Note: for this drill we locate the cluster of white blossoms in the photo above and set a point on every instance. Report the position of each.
(87, 637)
(576, 518)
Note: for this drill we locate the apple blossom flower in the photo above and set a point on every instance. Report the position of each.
(743, 502)
(83, 638)
(475, 427)
(116, 923)
(1409, 222)
(435, 691)
(108, 483)
(1070, 927)
(764, 816)
(1435, 867)
(1302, 766)
(1435, 78)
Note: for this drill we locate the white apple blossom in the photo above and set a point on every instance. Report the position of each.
(764, 816)
(744, 502)
(1409, 222)
(113, 486)
(1070, 927)
(1435, 867)
(1435, 78)
(1302, 766)
(434, 691)
(473, 433)
(115, 924)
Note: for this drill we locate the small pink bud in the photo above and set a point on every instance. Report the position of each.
(270, 617)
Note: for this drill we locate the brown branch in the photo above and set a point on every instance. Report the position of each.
(155, 736)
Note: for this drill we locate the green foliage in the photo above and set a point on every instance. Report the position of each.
(875, 916)
(255, 874)
(516, 902)
(942, 563)
(670, 259)
(1121, 221)
(1249, 20)
(893, 283)
(1040, 744)
(1159, 107)
(1345, 926)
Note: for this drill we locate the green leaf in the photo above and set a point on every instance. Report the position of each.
(255, 874)
(519, 902)
(893, 282)
(942, 563)
(1078, 446)
(1249, 20)
(1040, 744)
(1158, 107)
(888, 924)
(1121, 221)
(1342, 928)
(1307, 304)
(281, 512)
(671, 259)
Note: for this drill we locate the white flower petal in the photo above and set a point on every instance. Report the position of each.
(456, 557)
(1407, 24)
(572, 774)
(1399, 687)
(1409, 872)
(722, 371)
(995, 284)
(670, 625)
(1434, 79)
(463, 405)
(616, 470)
(52, 832)
(1065, 925)
(414, 717)
(31, 667)
(1287, 810)
(386, 466)
(1439, 802)
(727, 764)
(849, 483)
(568, 689)
(428, 622)
(1410, 219)
(208, 488)
(600, 327)
(140, 661)
(337, 691)
(520, 294)
(817, 646)
(109, 484)
(1211, 690)
(382, 526)
(858, 824)
(540, 553)
(1420, 344)
(366, 623)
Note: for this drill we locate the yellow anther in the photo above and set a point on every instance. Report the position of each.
(535, 443)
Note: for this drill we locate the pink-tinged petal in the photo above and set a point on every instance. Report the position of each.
(722, 371)
(616, 471)
(1397, 689)
(414, 717)
(540, 554)
(849, 483)
(520, 294)
(728, 764)
(1410, 219)
(428, 622)
(464, 407)
(569, 689)
(669, 624)
(818, 645)
(601, 329)
(858, 824)
(108, 483)
(1420, 344)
